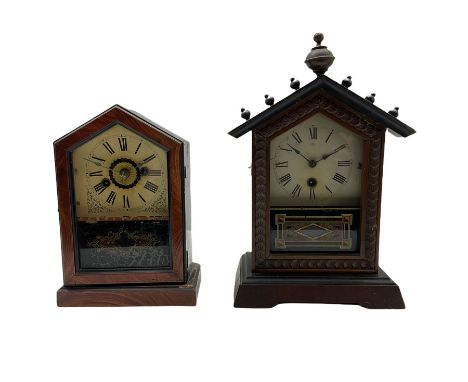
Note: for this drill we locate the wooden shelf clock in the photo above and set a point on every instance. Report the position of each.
(317, 160)
(124, 209)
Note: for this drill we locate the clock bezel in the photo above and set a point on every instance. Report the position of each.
(366, 260)
(175, 155)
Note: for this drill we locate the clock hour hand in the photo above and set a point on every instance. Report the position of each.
(97, 164)
(298, 153)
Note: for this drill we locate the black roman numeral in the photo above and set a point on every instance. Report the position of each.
(142, 198)
(285, 179)
(313, 132)
(339, 178)
(100, 187)
(285, 149)
(138, 147)
(151, 187)
(297, 191)
(344, 163)
(150, 158)
(123, 143)
(126, 201)
(329, 135)
(330, 191)
(312, 193)
(95, 173)
(111, 198)
(99, 159)
(282, 164)
(296, 137)
(154, 172)
(108, 147)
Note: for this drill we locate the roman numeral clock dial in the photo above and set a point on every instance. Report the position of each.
(315, 187)
(316, 163)
(120, 174)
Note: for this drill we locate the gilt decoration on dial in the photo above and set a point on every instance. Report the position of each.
(318, 162)
(120, 174)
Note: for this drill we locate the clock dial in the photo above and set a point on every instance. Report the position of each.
(316, 163)
(120, 174)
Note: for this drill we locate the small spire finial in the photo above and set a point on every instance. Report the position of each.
(347, 82)
(371, 98)
(245, 114)
(394, 111)
(320, 58)
(318, 38)
(269, 100)
(295, 84)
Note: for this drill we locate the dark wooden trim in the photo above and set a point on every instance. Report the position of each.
(63, 147)
(373, 291)
(135, 295)
(339, 92)
(366, 260)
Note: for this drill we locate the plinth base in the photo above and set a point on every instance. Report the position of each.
(135, 295)
(255, 290)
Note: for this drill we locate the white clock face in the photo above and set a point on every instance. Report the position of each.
(316, 163)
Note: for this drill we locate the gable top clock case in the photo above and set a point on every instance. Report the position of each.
(316, 190)
(124, 208)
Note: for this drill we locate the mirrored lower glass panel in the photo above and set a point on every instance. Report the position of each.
(117, 245)
(314, 230)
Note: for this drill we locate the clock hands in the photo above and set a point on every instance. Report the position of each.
(313, 163)
(299, 153)
(98, 164)
(124, 173)
(334, 151)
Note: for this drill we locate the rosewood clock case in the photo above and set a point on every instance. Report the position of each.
(175, 272)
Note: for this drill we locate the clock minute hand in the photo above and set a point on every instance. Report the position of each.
(97, 164)
(299, 153)
(334, 152)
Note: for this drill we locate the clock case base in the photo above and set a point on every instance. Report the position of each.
(134, 295)
(260, 290)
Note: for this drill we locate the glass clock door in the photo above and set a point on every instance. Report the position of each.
(315, 188)
(121, 204)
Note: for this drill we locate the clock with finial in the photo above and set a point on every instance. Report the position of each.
(124, 208)
(317, 163)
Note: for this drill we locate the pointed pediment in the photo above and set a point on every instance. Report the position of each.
(334, 90)
(109, 117)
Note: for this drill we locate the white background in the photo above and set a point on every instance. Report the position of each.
(191, 66)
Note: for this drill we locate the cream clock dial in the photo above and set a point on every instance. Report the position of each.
(316, 163)
(119, 174)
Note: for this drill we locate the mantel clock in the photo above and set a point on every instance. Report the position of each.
(317, 161)
(124, 208)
